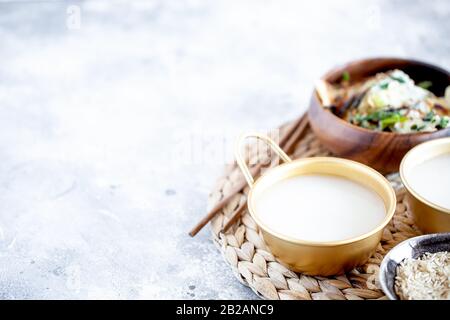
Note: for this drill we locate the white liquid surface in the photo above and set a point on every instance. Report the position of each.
(320, 208)
(431, 180)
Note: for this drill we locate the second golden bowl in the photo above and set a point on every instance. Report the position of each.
(429, 216)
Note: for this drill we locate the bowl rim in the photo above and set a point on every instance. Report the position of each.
(403, 175)
(366, 60)
(390, 209)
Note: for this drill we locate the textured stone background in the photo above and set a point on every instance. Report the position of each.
(116, 118)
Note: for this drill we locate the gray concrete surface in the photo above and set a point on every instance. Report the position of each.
(116, 118)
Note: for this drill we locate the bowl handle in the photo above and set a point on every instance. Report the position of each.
(241, 162)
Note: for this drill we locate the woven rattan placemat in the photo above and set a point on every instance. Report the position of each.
(253, 264)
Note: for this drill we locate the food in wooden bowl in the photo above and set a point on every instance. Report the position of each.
(375, 110)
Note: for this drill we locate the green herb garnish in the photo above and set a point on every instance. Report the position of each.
(417, 128)
(425, 84)
(384, 86)
(358, 118)
(444, 122)
(398, 79)
(381, 115)
(383, 118)
(421, 127)
(429, 116)
(345, 76)
(393, 119)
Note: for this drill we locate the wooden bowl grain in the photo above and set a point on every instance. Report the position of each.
(382, 151)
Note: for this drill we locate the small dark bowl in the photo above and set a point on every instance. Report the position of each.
(411, 248)
(382, 151)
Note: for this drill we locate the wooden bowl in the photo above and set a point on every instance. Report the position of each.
(382, 151)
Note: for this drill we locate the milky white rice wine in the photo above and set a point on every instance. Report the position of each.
(431, 180)
(320, 208)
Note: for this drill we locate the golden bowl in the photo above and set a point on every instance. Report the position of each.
(428, 216)
(318, 258)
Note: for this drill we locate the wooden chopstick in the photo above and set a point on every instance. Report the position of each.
(235, 190)
(235, 217)
(290, 143)
(286, 140)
